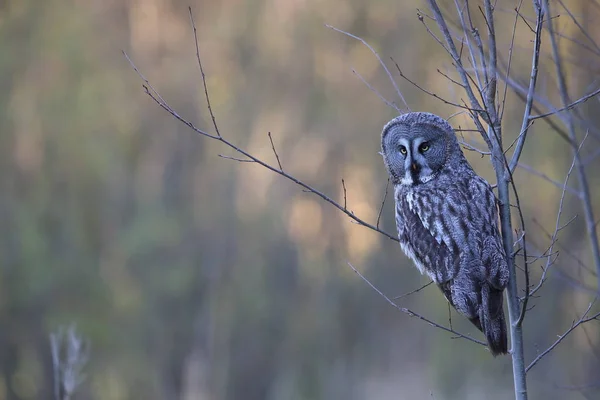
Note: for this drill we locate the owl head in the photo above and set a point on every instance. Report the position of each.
(416, 146)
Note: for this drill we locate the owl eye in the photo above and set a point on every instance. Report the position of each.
(424, 147)
(403, 150)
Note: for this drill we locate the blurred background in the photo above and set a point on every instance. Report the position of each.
(198, 277)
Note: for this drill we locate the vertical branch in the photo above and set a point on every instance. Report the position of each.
(441, 22)
(510, 53)
(512, 294)
(493, 136)
(532, 81)
(504, 178)
(467, 38)
(582, 177)
(490, 90)
(477, 39)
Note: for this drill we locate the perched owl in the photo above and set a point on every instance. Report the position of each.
(447, 221)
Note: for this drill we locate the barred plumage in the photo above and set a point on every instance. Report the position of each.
(446, 217)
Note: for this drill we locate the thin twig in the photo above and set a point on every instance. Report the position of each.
(469, 147)
(594, 130)
(412, 313)
(433, 35)
(371, 88)
(412, 291)
(490, 89)
(235, 159)
(154, 95)
(531, 91)
(521, 93)
(578, 388)
(581, 173)
(542, 175)
(457, 83)
(581, 28)
(578, 43)
(345, 200)
(557, 225)
(275, 152)
(510, 53)
(387, 71)
(567, 107)
(383, 202)
(431, 93)
(574, 325)
(463, 24)
(575, 283)
(212, 115)
(525, 21)
(454, 54)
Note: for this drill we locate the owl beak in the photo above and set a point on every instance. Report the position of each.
(414, 167)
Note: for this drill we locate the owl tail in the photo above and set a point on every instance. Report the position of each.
(491, 318)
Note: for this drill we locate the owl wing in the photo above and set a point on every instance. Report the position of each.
(455, 224)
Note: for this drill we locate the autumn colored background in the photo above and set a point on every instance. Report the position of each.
(198, 277)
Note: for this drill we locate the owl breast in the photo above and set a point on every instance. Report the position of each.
(407, 231)
(422, 236)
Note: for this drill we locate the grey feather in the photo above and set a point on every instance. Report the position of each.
(447, 222)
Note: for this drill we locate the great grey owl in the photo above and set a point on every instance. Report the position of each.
(447, 220)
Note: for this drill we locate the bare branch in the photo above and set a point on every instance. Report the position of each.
(345, 199)
(154, 95)
(578, 43)
(578, 388)
(469, 147)
(490, 89)
(463, 24)
(510, 53)
(371, 88)
(383, 202)
(412, 313)
(557, 225)
(212, 115)
(584, 318)
(581, 174)
(433, 35)
(575, 283)
(567, 107)
(439, 18)
(542, 175)
(387, 71)
(433, 94)
(450, 79)
(525, 21)
(235, 158)
(275, 152)
(413, 292)
(585, 124)
(521, 92)
(532, 81)
(581, 28)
